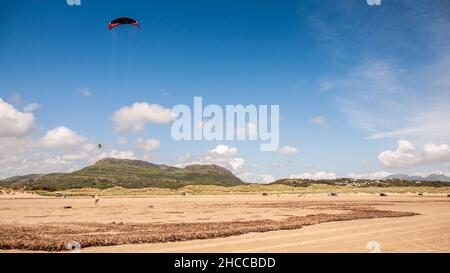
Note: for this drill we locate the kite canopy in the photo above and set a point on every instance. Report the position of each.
(123, 21)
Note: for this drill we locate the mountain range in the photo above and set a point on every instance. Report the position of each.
(430, 178)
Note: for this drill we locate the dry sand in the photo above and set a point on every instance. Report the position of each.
(427, 232)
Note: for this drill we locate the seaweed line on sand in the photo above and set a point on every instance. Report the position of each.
(55, 236)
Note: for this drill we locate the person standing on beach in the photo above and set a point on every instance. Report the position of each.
(96, 199)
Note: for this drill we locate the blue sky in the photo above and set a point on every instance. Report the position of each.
(363, 90)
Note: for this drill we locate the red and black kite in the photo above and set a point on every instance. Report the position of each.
(123, 21)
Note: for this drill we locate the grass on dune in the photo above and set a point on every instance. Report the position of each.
(249, 189)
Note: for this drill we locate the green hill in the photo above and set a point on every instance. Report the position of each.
(111, 172)
(18, 178)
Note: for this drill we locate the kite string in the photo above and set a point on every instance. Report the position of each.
(127, 74)
(111, 70)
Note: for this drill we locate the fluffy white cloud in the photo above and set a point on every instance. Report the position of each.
(21, 154)
(315, 176)
(35, 162)
(31, 107)
(148, 145)
(405, 146)
(134, 118)
(221, 155)
(12, 149)
(405, 155)
(397, 158)
(61, 137)
(89, 147)
(224, 150)
(14, 123)
(256, 178)
(236, 162)
(224, 156)
(319, 120)
(436, 153)
(288, 150)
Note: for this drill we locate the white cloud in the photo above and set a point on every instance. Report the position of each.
(14, 123)
(34, 162)
(224, 156)
(20, 154)
(236, 163)
(148, 145)
(134, 118)
(75, 156)
(31, 107)
(256, 178)
(405, 155)
(113, 154)
(431, 121)
(319, 120)
(436, 153)
(122, 154)
(405, 146)
(315, 176)
(288, 150)
(57, 160)
(224, 150)
(89, 147)
(85, 92)
(221, 155)
(389, 98)
(62, 137)
(391, 102)
(12, 149)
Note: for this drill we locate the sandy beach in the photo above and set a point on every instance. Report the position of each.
(236, 223)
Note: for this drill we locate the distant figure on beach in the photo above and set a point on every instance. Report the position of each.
(65, 195)
(96, 199)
